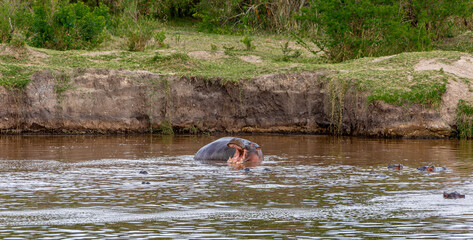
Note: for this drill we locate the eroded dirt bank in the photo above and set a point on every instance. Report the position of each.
(116, 101)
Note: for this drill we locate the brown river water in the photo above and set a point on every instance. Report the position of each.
(308, 187)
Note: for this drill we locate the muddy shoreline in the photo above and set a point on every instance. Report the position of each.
(105, 101)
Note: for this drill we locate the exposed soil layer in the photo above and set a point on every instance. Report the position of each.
(122, 101)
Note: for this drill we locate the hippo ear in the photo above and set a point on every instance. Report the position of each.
(236, 143)
(256, 146)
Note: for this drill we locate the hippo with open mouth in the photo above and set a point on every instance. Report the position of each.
(232, 150)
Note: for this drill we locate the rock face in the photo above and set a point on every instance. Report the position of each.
(116, 101)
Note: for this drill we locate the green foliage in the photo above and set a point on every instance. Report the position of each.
(13, 76)
(306, 46)
(464, 119)
(362, 28)
(215, 15)
(141, 35)
(462, 43)
(272, 15)
(159, 38)
(354, 29)
(289, 53)
(247, 40)
(424, 93)
(70, 26)
(18, 41)
(166, 128)
(213, 47)
(136, 40)
(437, 17)
(160, 9)
(5, 19)
(208, 23)
(12, 20)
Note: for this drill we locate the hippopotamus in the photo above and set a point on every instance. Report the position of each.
(395, 166)
(431, 169)
(232, 150)
(453, 195)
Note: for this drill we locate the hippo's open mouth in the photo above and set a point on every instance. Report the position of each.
(239, 156)
(242, 153)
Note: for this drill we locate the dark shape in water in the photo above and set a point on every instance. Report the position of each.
(143, 172)
(453, 195)
(395, 166)
(232, 150)
(247, 169)
(145, 182)
(266, 170)
(431, 169)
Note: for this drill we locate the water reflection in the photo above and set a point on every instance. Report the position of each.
(307, 186)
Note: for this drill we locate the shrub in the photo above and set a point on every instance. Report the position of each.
(139, 34)
(353, 29)
(247, 41)
(289, 53)
(464, 119)
(159, 38)
(437, 17)
(71, 26)
(137, 40)
(270, 15)
(12, 19)
(361, 28)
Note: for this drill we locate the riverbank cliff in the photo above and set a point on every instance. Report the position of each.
(323, 101)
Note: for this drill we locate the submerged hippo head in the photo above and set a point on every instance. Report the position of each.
(248, 152)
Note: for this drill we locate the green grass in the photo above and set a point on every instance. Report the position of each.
(224, 58)
(462, 42)
(391, 79)
(394, 79)
(464, 119)
(14, 76)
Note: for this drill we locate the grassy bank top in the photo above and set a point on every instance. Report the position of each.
(185, 52)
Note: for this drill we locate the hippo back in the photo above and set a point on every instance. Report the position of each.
(216, 150)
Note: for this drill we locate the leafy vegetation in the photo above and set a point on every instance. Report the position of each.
(13, 76)
(166, 128)
(156, 36)
(138, 39)
(464, 120)
(364, 28)
(289, 53)
(70, 26)
(247, 40)
(342, 29)
(13, 19)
